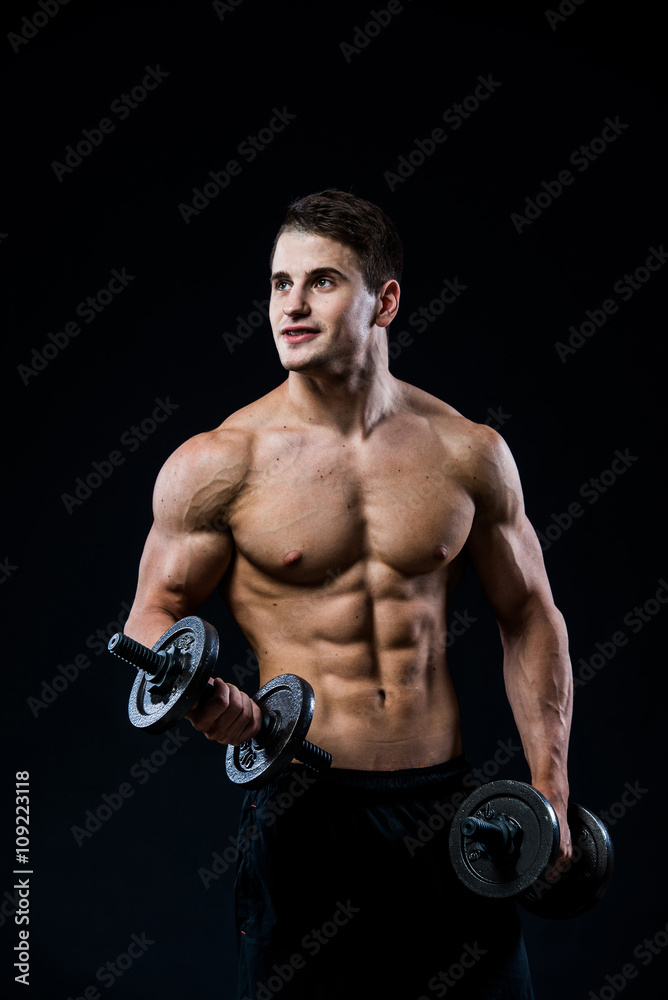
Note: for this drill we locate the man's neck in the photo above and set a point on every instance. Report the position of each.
(353, 404)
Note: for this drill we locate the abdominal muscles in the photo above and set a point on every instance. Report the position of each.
(371, 642)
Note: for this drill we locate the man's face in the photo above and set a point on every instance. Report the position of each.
(321, 312)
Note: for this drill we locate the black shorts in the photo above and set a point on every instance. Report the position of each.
(344, 890)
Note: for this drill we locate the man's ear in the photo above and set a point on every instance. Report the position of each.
(387, 302)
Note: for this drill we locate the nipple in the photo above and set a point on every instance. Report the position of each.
(293, 556)
(441, 552)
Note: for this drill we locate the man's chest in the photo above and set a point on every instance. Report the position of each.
(309, 514)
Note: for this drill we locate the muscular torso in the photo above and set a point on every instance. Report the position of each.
(345, 552)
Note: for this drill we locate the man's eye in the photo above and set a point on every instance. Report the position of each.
(280, 285)
(320, 281)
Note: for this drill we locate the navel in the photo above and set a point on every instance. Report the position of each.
(293, 556)
(441, 552)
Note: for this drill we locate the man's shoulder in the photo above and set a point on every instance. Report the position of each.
(458, 431)
(231, 443)
(224, 446)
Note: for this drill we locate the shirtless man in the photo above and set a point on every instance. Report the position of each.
(336, 514)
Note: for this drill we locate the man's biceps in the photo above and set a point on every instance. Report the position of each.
(491, 542)
(509, 565)
(212, 548)
(514, 540)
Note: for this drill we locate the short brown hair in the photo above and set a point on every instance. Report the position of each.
(357, 224)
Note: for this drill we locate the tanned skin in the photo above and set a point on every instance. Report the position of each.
(335, 515)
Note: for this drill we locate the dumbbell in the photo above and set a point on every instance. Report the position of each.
(173, 677)
(504, 841)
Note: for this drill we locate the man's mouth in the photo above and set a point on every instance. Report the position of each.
(297, 334)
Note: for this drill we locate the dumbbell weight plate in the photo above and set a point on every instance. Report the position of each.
(156, 707)
(585, 879)
(290, 700)
(537, 845)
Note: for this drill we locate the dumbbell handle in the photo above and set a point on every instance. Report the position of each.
(305, 752)
(154, 663)
(497, 835)
(138, 655)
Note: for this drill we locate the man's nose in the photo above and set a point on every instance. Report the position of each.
(296, 302)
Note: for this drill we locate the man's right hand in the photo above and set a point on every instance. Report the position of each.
(228, 715)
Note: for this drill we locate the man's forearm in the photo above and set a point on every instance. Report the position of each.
(539, 685)
(147, 624)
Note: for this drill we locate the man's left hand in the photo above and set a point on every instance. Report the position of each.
(558, 799)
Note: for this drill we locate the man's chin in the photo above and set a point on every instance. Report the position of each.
(292, 362)
(293, 365)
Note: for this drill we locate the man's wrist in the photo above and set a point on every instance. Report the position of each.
(555, 789)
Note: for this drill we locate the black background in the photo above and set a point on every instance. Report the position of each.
(69, 568)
